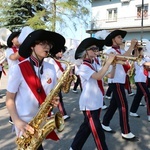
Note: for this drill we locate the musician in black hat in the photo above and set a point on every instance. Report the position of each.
(12, 54)
(91, 98)
(31, 80)
(56, 54)
(118, 100)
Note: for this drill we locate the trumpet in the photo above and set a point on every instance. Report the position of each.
(119, 59)
(140, 44)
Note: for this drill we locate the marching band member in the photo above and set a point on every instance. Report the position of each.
(12, 54)
(114, 39)
(91, 98)
(140, 79)
(35, 79)
(56, 54)
(14, 40)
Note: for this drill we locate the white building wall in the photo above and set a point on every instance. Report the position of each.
(126, 14)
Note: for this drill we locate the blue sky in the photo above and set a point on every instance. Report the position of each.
(80, 33)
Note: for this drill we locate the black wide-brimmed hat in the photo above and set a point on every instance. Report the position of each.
(58, 48)
(38, 35)
(87, 43)
(11, 37)
(113, 34)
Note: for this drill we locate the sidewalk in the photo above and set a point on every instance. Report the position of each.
(139, 126)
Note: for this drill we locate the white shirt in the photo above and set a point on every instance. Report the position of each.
(120, 74)
(139, 71)
(147, 58)
(26, 103)
(91, 97)
(58, 71)
(0, 67)
(11, 63)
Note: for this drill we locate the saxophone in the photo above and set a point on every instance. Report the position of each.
(131, 71)
(41, 123)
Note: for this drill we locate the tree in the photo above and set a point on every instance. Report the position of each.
(16, 13)
(48, 14)
(60, 13)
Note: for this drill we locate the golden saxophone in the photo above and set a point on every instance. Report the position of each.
(41, 123)
(131, 71)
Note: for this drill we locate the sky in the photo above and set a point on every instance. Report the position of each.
(80, 33)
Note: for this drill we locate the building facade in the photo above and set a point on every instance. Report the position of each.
(130, 15)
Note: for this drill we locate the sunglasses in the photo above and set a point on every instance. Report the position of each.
(94, 49)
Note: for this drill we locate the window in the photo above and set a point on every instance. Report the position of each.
(112, 14)
(145, 11)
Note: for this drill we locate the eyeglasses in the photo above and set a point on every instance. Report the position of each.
(45, 44)
(94, 49)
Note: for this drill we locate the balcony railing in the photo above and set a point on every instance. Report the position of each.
(124, 22)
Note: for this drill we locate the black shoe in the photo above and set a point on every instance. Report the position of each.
(10, 121)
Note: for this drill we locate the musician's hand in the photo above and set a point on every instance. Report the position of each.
(134, 42)
(55, 101)
(22, 127)
(111, 58)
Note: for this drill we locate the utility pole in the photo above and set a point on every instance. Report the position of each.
(142, 11)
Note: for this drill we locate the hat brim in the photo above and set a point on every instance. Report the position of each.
(38, 35)
(11, 37)
(113, 34)
(58, 48)
(87, 43)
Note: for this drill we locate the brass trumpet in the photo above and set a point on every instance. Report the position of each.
(139, 44)
(119, 59)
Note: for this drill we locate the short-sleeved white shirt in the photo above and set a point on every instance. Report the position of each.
(147, 58)
(139, 71)
(91, 97)
(120, 74)
(0, 67)
(26, 103)
(9, 51)
(58, 71)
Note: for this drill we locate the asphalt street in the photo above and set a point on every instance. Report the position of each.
(139, 126)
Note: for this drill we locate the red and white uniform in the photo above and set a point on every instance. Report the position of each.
(24, 96)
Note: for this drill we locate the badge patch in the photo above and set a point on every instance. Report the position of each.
(49, 81)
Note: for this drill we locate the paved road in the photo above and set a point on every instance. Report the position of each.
(139, 126)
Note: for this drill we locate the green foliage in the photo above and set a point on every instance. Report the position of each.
(46, 14)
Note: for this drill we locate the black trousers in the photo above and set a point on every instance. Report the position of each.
(128, 85)
(78, 82)
(148, 82)
(119, 102)
(40, 148)
(142, 90)
(109, 90)
(61, 106)
(90, 125)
